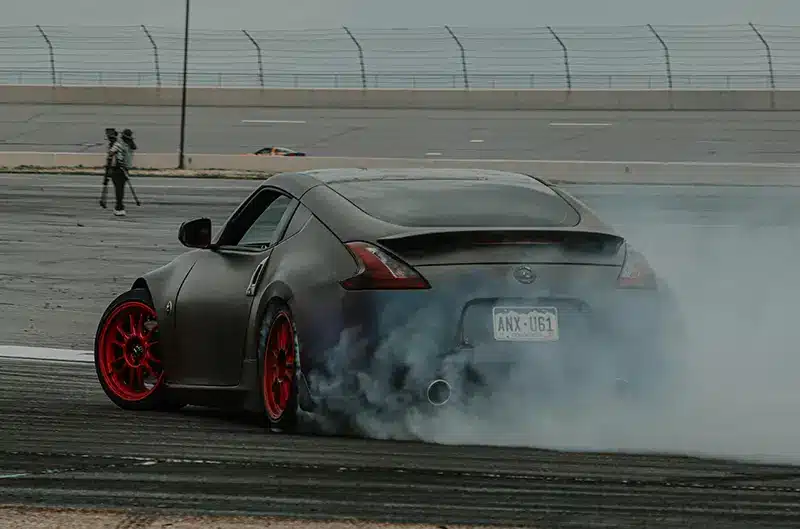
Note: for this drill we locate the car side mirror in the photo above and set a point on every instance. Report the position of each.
(195, 233)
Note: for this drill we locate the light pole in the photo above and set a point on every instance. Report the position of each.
(181, 157)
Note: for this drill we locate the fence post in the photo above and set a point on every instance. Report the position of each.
(463, 56)
(260, 61)
(566, 56)
(360, 57)
(769, 55)
(155, 55)
(52, 55)
(666, 54)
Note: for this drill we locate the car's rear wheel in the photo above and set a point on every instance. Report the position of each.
(127, 356)
(278, 357)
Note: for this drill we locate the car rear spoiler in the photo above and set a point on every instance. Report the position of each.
(436, 241)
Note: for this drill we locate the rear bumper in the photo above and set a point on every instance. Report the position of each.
(404, 341)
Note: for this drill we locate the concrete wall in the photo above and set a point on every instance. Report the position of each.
(411, 99)
(597, 172)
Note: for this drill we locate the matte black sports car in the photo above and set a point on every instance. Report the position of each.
(332, 292)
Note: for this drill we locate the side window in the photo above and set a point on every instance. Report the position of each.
(299, 219)
(262, 232)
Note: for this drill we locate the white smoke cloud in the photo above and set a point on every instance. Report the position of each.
(737, 291)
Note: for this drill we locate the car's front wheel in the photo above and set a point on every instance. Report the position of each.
(278, 363)
(127, 356)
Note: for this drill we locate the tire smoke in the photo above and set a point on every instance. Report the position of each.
(735, 395)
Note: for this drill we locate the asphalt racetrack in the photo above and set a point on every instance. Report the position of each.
(63, 443)
(631, 136)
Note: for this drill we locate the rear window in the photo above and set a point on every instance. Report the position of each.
(458, 203)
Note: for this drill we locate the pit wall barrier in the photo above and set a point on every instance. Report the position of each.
(674, 173)
(442, 99)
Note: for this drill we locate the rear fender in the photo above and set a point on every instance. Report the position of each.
(280, 292)
(304, 271)
(277, 290)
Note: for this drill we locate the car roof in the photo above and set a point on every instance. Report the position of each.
(317, 189)
(298, 183)
(332, 176)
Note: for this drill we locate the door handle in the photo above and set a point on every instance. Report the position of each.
(255, 279)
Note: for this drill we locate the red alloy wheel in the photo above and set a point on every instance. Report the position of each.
(279, 366)
(128, 360)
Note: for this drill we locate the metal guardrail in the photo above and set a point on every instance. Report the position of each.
(637, 57)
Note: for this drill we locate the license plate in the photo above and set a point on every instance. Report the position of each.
(525, 324)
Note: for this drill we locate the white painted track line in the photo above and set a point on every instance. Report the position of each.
(289, 121)
(44, 353)
(567, 124)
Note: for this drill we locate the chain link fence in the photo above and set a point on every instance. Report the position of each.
(626, 57)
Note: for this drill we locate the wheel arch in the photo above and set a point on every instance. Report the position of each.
(155, 398)
(164, 283)
(277, 291)
(162, 286)
(141, 283)
(286, 419)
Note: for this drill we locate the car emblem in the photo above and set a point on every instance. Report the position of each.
(169, 307)
(524, 274)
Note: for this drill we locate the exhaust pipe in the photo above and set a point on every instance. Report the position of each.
(438, 392)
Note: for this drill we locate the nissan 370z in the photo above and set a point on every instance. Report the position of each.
(336, 293)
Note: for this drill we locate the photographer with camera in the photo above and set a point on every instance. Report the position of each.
(118, 163)
(111, 138)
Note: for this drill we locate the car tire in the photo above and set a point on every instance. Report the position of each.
(127, 359)
(278, 361)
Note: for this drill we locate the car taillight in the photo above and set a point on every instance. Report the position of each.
(380, 271)
(636, 271)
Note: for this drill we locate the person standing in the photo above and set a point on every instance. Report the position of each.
(121, 160)
(111, 138)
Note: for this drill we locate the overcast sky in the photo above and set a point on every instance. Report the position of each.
(294, 14)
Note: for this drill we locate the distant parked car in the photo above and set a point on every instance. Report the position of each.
(278, 151)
